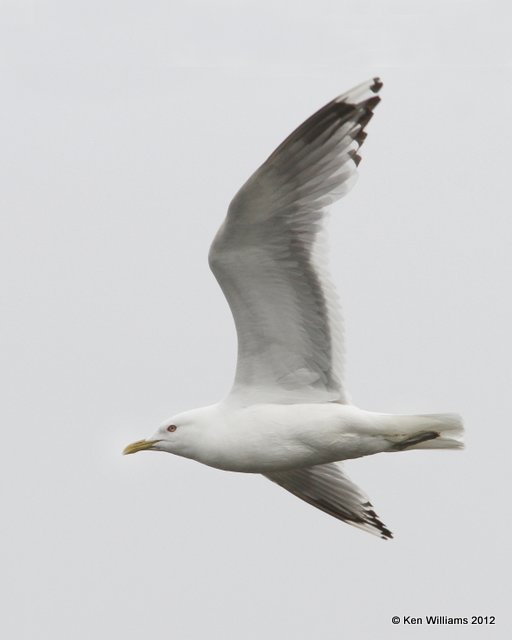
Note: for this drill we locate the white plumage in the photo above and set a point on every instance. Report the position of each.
(288, 415)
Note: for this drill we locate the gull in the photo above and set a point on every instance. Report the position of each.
(288, 415)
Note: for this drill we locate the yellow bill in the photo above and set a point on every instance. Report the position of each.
(140, 445)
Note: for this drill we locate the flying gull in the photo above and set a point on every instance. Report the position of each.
(288, 415)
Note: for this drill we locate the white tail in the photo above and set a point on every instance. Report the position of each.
(429, 431)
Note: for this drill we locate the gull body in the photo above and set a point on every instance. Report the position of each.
(261, 438)
(288, 415)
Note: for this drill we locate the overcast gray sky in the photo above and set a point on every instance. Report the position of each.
(126, 129)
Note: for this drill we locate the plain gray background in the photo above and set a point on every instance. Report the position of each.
(126, 129)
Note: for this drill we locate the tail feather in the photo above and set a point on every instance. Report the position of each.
(430, 431)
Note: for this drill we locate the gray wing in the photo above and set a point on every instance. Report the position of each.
(268, 257)
(327, 488)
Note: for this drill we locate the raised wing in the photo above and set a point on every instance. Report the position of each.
(327, 488)
(269, 259)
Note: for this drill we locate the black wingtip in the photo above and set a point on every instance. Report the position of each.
(355, 157)
(355, 108)
(361, 137)
(371, 103)
(377, 85)
(365, 119)
(373, 519)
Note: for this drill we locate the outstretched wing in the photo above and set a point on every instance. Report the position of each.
(327, 488)
(269, 260)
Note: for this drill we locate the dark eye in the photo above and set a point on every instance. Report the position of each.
(171, 428)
